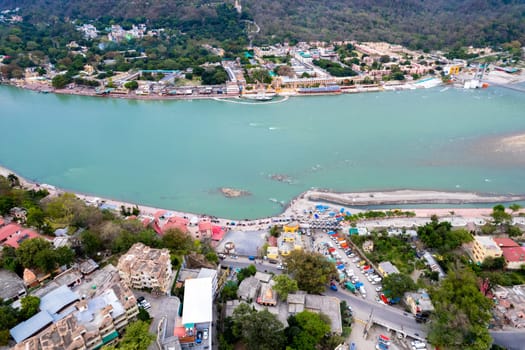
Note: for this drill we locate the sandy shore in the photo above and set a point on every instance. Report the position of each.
(308, 200)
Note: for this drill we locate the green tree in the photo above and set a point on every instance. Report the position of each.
(311, 270)
(60, 81)
(514, 231)
(64, 256)
(30, 306)
(29, 252)
(491, 263)
(91, 243)
(143, 315)
(131, 85)
(515, 207)
(284, 285)
(307, 330)
(177, 241)
(499, 215)
(275, 231)
(35, 217)
(439, 235)
(461, 313)
(137, 337)
(229, 291)
(246, 272)
(258, 330)
(398, 284)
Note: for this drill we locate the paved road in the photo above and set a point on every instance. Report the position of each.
(384, 314)
(361, 308)
(243, 262)
(512, 340)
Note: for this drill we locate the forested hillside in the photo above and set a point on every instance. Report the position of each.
(416, 23)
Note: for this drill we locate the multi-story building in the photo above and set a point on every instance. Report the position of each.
(144, 267)
(66, 322)
(485, 247)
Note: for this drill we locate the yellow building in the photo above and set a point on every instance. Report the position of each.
(291, 227)
(452, 69)
(272, 253)
(485, 247)
(288, 242)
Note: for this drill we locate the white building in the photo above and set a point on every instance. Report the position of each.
(197, 313)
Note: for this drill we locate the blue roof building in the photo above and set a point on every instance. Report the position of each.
(52, 307)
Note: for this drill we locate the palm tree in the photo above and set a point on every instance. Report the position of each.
(13, 179)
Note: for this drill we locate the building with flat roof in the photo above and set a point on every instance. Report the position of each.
(197, 313)
(11, 286)
(144, 267)
(248, 289)
(386, 268)
(485, 247)
(299, 302)
(419, 302)
(272, 253)
(204, 273)
(289, 241)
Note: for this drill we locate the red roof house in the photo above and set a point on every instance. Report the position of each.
(514, 257)
(8, 231)
(505, 242)
(217, 232)
(20, 236)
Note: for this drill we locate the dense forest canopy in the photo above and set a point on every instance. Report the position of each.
(423, 24)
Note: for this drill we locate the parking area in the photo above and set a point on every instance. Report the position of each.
(246, 242)
(354, 274)
(161, 307)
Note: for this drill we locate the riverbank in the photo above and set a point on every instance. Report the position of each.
(307, 201)
(44, 87)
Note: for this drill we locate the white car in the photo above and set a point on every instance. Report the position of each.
(205, 334)
(378, 289)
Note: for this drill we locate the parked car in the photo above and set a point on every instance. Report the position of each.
(205, 334)
(198, 339)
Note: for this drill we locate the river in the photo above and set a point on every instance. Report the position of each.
(177, 154)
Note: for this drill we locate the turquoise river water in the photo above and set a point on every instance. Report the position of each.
(177, 154)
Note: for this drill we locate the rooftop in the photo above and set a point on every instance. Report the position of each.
(58, 299)
(8, 230)
(198, 299)
(514, 254)
(10, 285)
(248, 288)
(20, 236)
(263, 277)
(203, 273)
(505, 242)
(487, 243)
(328, 306)
(145, 260)
(388, 268)
(26, 329)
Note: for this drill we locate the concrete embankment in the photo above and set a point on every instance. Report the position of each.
(407, 197)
